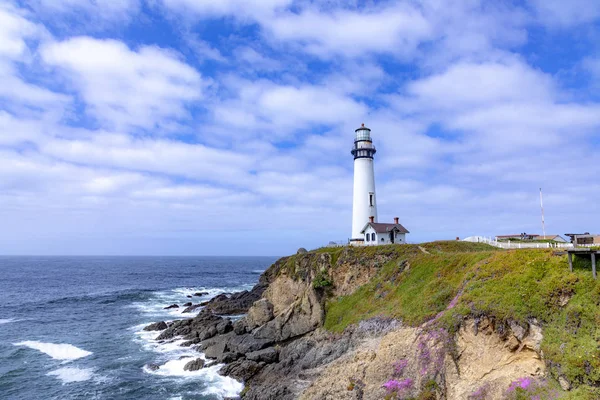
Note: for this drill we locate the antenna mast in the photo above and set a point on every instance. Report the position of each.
(542, 205)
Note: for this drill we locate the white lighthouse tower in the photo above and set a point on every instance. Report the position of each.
(364, 205)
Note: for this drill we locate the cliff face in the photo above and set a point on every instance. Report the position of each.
(443, 320)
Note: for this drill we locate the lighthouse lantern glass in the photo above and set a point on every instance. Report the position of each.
(363, 134)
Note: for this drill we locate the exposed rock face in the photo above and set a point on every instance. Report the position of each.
(194, 365)
(157, 326)
(259, 314)
(281, 352)
(485, 357)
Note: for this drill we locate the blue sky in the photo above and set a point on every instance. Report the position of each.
(182, 127)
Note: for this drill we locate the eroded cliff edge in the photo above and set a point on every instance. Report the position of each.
(440, 321)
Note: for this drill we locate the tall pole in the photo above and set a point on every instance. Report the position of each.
(542, 205)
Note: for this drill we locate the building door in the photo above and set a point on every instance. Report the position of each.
(392, 237)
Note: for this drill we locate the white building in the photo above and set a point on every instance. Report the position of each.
(364, 203)
(375, 233)
(365, 228)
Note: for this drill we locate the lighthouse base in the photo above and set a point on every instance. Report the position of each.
(356, 242)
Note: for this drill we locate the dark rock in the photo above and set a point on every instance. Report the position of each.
(229, 357)
(241, 369)
(189, 296)
(224, 326)
(194, 365)
(157, 326)
(247, 343)
(189, 303)
(216, 350)
(172, 306)
(236, 303)
(200, 294)
(152, 367)
(202, 304)
(269, 355)
(190, 308)
(191, 342)
(302, 250)
(239, 326)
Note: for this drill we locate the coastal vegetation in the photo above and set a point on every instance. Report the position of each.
(445, 283)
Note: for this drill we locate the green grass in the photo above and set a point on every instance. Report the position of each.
(508, 285)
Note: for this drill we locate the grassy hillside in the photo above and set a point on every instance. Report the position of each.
(521, 285)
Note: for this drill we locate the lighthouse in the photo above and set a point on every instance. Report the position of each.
(364, 205)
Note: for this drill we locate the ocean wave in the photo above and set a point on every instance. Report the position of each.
(155, 305)
(173, 358)
(62, 351)
(258, 271)
(8, 320)
(217, 385)
(72, 374)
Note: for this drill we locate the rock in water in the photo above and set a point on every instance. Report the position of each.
(189, 303)
(157, 326)
(152, 367)
(242, 370)
(194, 365)
(172, 306)
(200, 294)
(190, 308)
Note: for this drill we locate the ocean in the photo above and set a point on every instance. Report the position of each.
(71, 327)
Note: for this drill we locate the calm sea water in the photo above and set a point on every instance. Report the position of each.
(71, 327)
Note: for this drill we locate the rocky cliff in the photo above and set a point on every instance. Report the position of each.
(438, 321)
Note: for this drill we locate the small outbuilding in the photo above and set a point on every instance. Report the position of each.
(375, 233)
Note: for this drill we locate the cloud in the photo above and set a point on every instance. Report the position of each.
(121, 87)
(272, 110)
(15, 30)
(103, 10)
(228, 7)
(396, 29)
(480, 85)
(564, 14)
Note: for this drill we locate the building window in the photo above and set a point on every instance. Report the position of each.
(368, 236)
(371, 199)
(382, 239)
(373, 236)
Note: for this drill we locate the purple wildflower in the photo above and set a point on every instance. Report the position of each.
(523, 383)
(395, 386)
(399, 367)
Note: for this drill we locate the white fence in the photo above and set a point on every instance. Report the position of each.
(518, 245)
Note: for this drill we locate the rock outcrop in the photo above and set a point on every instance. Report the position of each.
(280, 350)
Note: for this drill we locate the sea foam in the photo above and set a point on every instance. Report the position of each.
(221, 386)
(7, 320)
(62, 351)
(72, 374)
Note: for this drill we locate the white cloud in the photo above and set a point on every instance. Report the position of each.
(560, 13)
(126, 88)
(481, 85)
(272, 111)
(15, 30)
(116, 10)
(396, 29)
(225, 8)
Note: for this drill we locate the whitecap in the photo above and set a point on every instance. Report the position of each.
(72, 374)
(8, 320)
(218, 385)
(62, 351)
